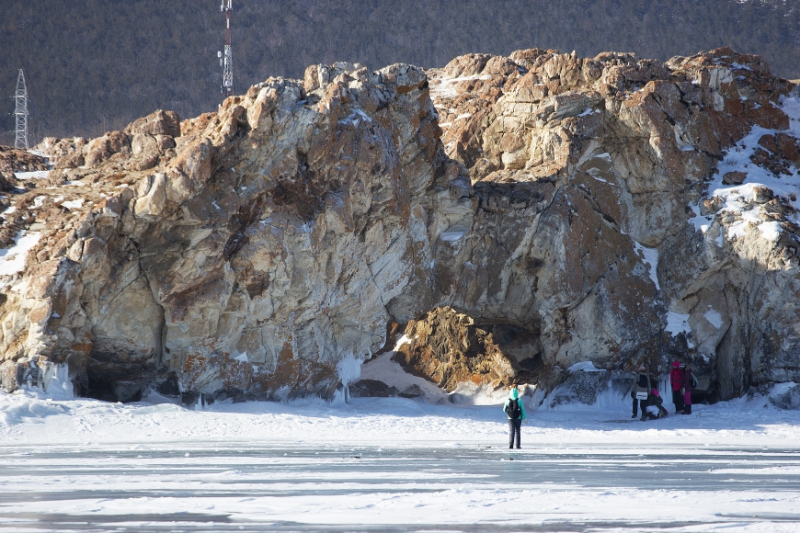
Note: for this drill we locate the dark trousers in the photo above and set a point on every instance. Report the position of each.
(514, 427)
(677, 399)
(637, 403)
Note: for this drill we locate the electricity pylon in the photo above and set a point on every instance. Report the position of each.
(21, 113)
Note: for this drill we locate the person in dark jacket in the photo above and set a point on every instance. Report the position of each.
(688, 380)
(640, 391)
(515, 411)
(676, 381)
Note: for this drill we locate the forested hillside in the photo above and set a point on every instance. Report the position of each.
(95, 65)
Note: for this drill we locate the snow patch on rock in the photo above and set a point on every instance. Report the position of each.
(650, 257)
(12, 260)
(714, 318)
(382, 368)
(454, 233)
(35, 175)
(73, 204)
(738, 198)
(446, 87)
(242, 357)
(584, 366)
(677, 323)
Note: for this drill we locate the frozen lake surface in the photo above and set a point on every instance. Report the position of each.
(393, 465)
(247, 487)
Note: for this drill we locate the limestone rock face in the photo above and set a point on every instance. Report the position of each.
(260, 252)
(591, 174)
(157, 123)
(519, 214)
(64, 153)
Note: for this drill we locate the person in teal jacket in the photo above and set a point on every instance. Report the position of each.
(515, 412)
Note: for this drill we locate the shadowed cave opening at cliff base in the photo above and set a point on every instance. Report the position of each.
(517, 215)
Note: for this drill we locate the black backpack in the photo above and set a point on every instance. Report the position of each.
(643, 381)
(513, 409)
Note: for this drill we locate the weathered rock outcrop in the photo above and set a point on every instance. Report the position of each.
(620, 151)
(16, 160)
(254, 258)
(543, 209)
(448, 348)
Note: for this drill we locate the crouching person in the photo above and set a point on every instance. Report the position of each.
(655, 406)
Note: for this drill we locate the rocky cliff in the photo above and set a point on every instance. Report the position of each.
(513, 215)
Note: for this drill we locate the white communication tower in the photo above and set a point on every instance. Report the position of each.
(21, 113)
(226, 57)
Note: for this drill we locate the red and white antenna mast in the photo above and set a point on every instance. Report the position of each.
(226, 57)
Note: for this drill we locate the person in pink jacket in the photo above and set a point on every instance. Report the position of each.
(687, 390)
